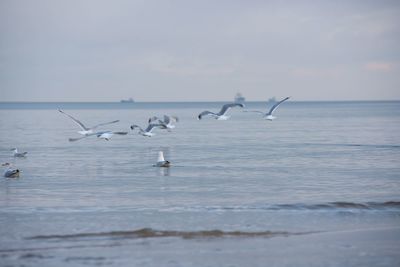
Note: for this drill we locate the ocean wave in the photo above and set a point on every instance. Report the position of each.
(382, 146)
(152, 233)
(329, 206)
(367, 205)
(388, 206)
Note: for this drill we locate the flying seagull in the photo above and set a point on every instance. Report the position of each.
(18, 154)
(148, 131)
(86, 130)
(166, 123)
(10, 172)
(221, 114)
(268, 115)
(106, 135)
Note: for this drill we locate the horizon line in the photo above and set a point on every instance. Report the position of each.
(205, 101)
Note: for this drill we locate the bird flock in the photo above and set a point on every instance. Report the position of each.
(166, 123)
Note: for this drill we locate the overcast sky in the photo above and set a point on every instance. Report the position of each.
(199, 50)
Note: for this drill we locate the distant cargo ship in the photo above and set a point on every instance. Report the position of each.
(272, 100)
(239, 98)
(130, 100)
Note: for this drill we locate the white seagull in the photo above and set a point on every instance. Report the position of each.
(167, 122)
(18, 154)
(268, 115)
(106, 135)
(161, 162)
(10, 172)
(86, 130)
(148, 131)
(221, 114)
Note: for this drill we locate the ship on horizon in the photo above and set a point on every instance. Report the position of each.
(130, 100)
(272, 100)
(239, 98)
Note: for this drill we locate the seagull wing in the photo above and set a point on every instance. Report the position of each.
(133, 126)
(98, 134)
(204, 113)
(120, 133)
(168, 119)
(151, 126)
(276, 105)
(76, 139)
(75, 120)
(226, 107)
(154, 118)
(105, 123)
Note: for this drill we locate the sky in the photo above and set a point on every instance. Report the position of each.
(208, 50)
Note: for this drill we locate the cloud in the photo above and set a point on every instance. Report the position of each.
(186, 46)
(379, 66)
(304, 72)
(186, 66)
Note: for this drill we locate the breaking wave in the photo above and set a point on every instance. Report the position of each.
(151, 233)
(341, 205)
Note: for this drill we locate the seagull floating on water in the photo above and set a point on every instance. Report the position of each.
(19, 154)
(10, 172)
(106, 135)
(268, 115)
(221, 114)
(167, 122)
(161, 162)
(86, 130)
(148, 131)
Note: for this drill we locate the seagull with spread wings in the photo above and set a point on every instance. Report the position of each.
(86, 130)
(167, 122)
(268, 115)
(149, 130)
(221, 115)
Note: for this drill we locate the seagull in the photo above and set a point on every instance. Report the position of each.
(148, 131)
(161, 162)
(18, 154)
(221, 114)
(86, 130)
(10, 172)
(167, 122)
(268, 115)
(106, 135)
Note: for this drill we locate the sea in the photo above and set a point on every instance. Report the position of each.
(240, 192)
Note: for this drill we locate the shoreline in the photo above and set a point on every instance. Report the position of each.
(357, 247)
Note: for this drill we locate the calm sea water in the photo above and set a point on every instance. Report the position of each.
(318, 167)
